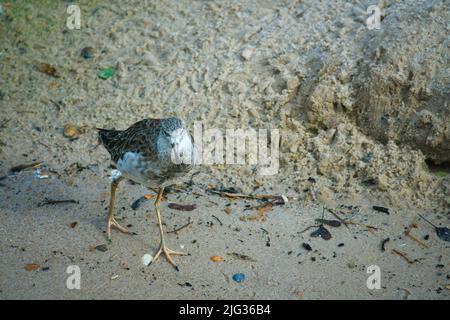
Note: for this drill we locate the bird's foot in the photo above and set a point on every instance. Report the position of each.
(113, 223)
(168, 252)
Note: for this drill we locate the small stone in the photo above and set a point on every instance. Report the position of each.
(71, 130)
(147, 259)
(216, 259)
(382, 182)
(239, 277)
(149, 59)
(32, 266)
(87, 52)
(73, 224)
(102, 248)
(48, 69)
(247, 53)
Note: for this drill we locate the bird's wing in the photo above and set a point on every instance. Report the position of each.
(140, 137)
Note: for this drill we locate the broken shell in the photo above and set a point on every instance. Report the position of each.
(39, 175)
(216, 259)
(71, 130)
(149, 59)
(247, 53)
(147, 259)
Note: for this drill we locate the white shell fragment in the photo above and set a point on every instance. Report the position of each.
(285, 199)
(147, 259)
(115, 174)
(149, 59)
(247, 53)
(38, 175)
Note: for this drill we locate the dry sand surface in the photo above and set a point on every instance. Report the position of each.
(363, 117)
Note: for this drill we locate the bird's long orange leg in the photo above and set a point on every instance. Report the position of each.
(162, 246)
(111, 220)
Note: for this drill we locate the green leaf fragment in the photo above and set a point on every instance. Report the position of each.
(106, 73)
(440, 173)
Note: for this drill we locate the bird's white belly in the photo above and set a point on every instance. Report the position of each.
(152, 174)
(133, 166)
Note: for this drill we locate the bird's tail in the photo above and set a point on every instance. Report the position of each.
(106, 136)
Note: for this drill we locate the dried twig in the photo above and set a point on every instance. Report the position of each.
(383, 244)
(241, 256)
(403, 255)
(181, 228)
(218, 220)
(416, 240)
(21, 167)
(244, 196)
(50, 201)
(307, 228)
(409, 235)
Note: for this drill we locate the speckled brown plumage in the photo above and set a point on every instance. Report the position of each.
(155, 169)
(140, 137)
(154, 153)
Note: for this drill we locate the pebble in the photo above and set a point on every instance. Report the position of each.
(71, 130)
(382, 182)
(239, 277)
(147, 259)
(102, 248)
(216, 259)
(87, 52)
(149, 59)
(247, 53)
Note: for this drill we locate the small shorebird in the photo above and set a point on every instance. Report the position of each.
(154, 153)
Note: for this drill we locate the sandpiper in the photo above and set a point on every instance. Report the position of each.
(154, 153)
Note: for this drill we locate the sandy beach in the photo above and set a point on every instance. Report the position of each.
(363, 117)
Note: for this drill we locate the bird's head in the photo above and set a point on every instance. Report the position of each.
(177, 139)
